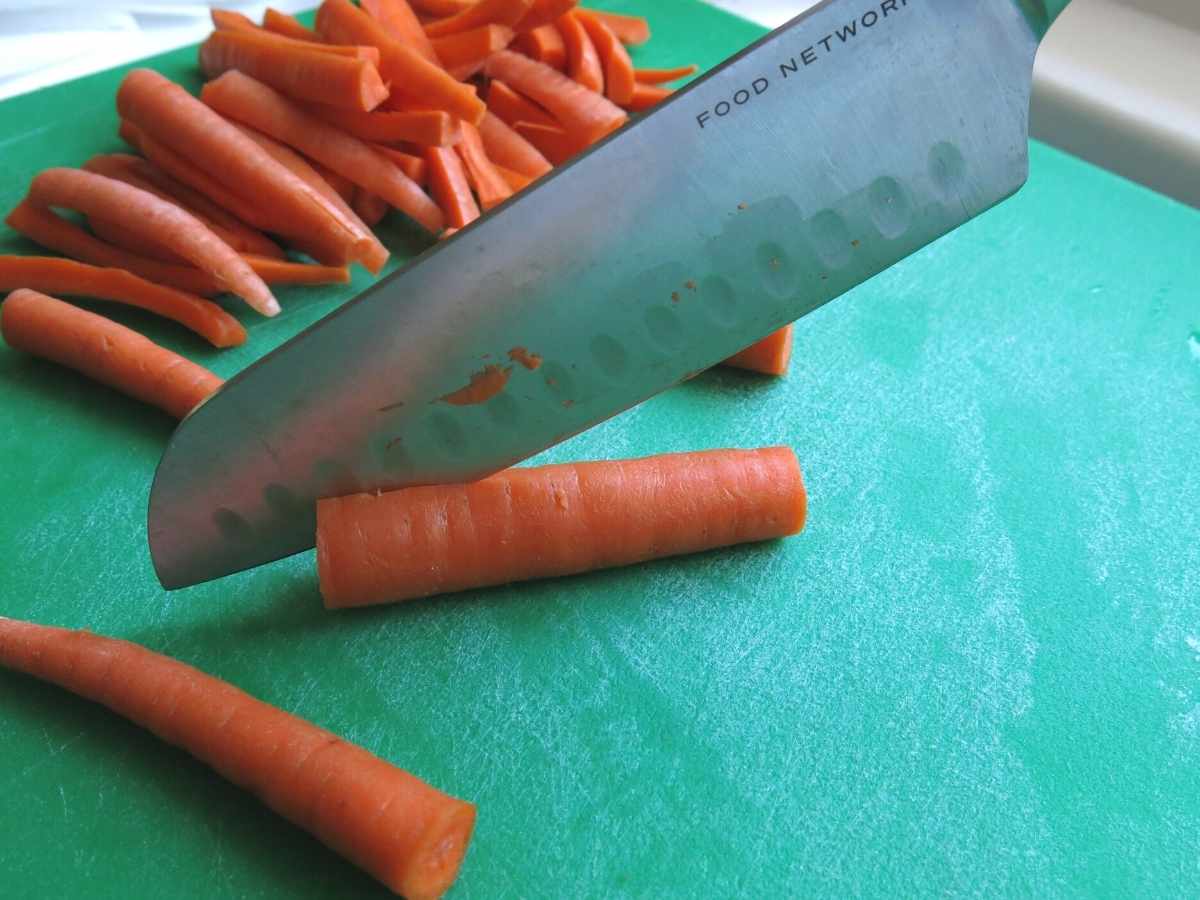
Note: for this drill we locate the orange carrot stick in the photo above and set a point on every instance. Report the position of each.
(516, 180)
(489, 185)
(254, 104)
(117, 236)
(231, 20)
(545, 12)
(284, 271)
(407, 834)
(432, 127)
(370, 207)
(464, 47)
(344, 187)
(295, 69)
(442, 8)
(631, 30)
(413, 78)
(619, 79)
(545, 44)
(551, 141)
(770, 356)
(104, 351)
(550, 521)
(412, 166)
(289, 26)
(399, 20)
(662, 76)
(52, 275)
(147, 216)
(507, 148)
(584, 114)
(513, 107)
(449, 186)
(646, 96)
(583, 62)
(485, 12)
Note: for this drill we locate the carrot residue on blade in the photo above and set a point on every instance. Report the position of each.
(435, 128)
(104, 351)
(399, 20)
(288, 26)
(404, 832)
(531, 361)
(485, 12)
(583, 61)
(662, 76)
(449, 186)
(507, 149)
(552, 521)
(491, 188)
(770, 356)
(619, 78)
(632, 30)
(483, 386)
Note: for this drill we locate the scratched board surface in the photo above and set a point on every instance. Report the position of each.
(976, 671)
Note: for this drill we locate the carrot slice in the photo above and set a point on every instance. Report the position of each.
(449, 186)
(619, 79)
(517, 181)
(407, 834)
(146, 215)
(399, 20)
(104, 351)
(507, 148)
(433, 127)
(512, 107)
(583, 62)
(284, 271)
(770, 356)
(414, 79)
(545, 44)
(584, 114)
(489, 185)
(472, 46)
(485, 12)
(248, 101)
(371, 208)
(551, 141)
(551, 521)
(412, 166)
(53, 275)
(545, 12)
(289, 26)
(631, 30)
(646, 96)
(662, 76)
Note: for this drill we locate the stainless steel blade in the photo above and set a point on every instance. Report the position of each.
(826, 152)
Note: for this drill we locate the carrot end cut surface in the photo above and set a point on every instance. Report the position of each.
(770, 356)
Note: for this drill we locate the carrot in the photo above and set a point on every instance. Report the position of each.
(414, 79)
(516, 180)
(230, 20)
(485, 12)
(489, 185)
(513, 107)
(551, 141)
(412, 166)
(295, 69)
(52, 275)
(170, 116)
(584, 114)
(283, 271)
(146, 215)
(662, 76)
(545, 44)
(507, 148)
(126, 240)
(449, 186)
(619, 78)
(770, 356)
(371, 208)
(631, 30)
(104, 351)
(646, 96)
(242, 98)
(550, 521)
(442, 8)
(583, 62)
(432, 127)
(399, 20)
(342, 186)
(472, 47)
(404, 832)
(544, 12)
(289, 26)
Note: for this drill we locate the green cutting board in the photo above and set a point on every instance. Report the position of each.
(977, 671)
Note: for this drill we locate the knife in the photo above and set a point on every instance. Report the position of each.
(824, 153)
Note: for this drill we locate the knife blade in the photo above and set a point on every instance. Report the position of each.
(824, 153)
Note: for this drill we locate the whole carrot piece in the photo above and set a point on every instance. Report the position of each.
(404, 832)
(104, 351)
(550, 521)
(769, 356)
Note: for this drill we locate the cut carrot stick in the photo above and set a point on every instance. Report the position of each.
(770, 356)
(485, 12)
(545, 44)
(288, 26)
(583, 62)
(342, 185)
(465, 47)
(230, 20)
(662, 76)
(432, 127)
(646, 96)
(442, 8)
(551, 141)
(516, 180)
(370, 207)
(584, 114)
(413, 78)
(489, 185)
(294, 69)
(544, 12)
(551, 521)
(66, 277)
(169, 115)
(118, 236)
(449, 186)
(619, 79)
(399, 20)
(146, 215)
(284, 271)
(407, 834)
(507, 148)
(412, 166)
(512, 107)
(104, 351)
(631, 30)
(254, 104)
